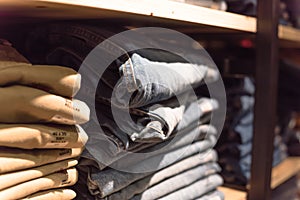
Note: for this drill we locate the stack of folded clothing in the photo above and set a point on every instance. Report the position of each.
(294, 11)
(40, 140)
(291, 134)
(235, 144)
(155, 139)
(249, 7)
(288, 100)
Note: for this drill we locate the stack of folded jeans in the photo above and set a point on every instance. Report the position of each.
(150, 137)
(291, 135)
(288, 100)
(249, 7)
(235, 144)
(39, 138)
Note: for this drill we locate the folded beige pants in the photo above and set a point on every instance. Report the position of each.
(16, 70)
(31, 136)
(19, 159)
(21, 104)
(56, 180)
(55, 194)
(15, 178)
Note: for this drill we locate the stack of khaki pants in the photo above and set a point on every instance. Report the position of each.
(40, 136)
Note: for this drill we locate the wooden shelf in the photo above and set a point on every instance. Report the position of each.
(289, 36)
(179, 16)
(163, 12)
(232, 194)
(280, 174)
(285, 170)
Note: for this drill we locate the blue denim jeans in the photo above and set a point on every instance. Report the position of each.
(198, 164)
(243, 131)
(100, 181)
(246, 7)
(144, 82)
(192, 191)
(69, 44)
(155, 124)
(237, 171)
(109, 151)
(185, 179)
(235, 149)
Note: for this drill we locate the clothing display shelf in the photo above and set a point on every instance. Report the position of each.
(280, 174)
(196, 20)
(184, 17)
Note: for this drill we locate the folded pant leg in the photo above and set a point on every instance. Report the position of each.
(33, 173)
(21, 104)
(60, 179)
(193, 190)
(33, 136)
(151, 164)
(20, 159)
(164, 174)
(55, 194)
(15, 69)
(179, 181)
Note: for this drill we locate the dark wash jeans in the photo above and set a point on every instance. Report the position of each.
(99, 180)
(192, 191)
(69, 44)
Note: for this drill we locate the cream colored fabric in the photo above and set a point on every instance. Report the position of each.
(56, 194)
(19, 159)
(14, 178)
(58, 80)
(16, 70)
(30, 136)
(21, 104)
(56, 180)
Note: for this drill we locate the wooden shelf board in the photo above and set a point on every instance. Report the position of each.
(157, 10)
(180, 16)
(232, 194)
(280, 174)
(285, 170)
(289, 36)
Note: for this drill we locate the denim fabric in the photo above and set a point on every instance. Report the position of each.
(144, 82)
(247, 7)
(288, 94)
(242, 133)
(156, 123)
(204, 133)
(103, 181)
(191, 191)
(105, 155)
(237, 171)
(69, 44)
(179, 181)
(239, 86)
(244, 164)
(235, 149)
(165, 175)
(214, 195)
